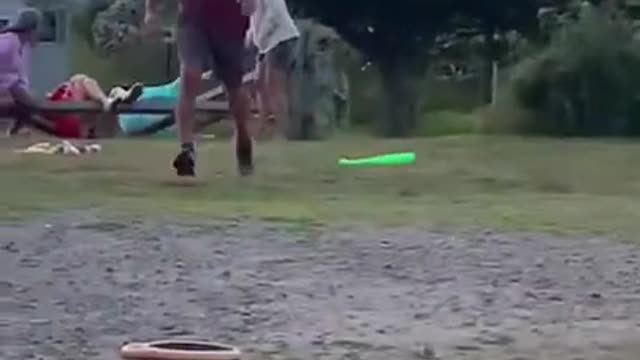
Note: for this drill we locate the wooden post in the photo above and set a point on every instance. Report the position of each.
(145, 106)
(494, 83)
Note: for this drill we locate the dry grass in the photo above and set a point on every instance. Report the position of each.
(463, 182)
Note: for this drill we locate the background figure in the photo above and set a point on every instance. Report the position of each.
(275, 35)
(79, 126)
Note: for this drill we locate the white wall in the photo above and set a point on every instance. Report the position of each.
(8, 8)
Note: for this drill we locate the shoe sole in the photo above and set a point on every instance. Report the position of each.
(245, 170)
(184, 170)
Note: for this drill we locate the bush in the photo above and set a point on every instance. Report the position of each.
(585, 83)
(445, 123)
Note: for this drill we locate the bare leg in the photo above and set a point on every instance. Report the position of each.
(7, 110)
(240, 106)
(91, 89)
(190, 79)
(105, 125)
(262, 100)
(277, 88)
(23, 117)
(255, 102)
(23, 103)
(185, 112)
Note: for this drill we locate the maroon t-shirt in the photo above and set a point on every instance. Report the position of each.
(222, 17)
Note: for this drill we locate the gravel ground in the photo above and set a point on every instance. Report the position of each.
(77, 287)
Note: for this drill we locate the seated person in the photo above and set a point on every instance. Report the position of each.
(84, 88)
(73, 126)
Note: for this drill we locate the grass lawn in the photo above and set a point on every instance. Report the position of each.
(504, 183)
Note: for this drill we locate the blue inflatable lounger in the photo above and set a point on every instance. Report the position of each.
(135, 123)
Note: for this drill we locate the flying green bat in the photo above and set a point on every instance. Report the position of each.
(381, 160)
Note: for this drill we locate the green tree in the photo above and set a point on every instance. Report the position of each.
(398, 36)
(586, 82)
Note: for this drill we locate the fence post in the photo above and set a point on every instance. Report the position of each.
(494, 83)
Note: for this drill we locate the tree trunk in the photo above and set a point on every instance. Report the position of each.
(491, 57)
(400, 106)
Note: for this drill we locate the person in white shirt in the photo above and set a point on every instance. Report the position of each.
(274, 33)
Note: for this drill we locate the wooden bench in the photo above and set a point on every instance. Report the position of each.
(209, 103)
(146, 106)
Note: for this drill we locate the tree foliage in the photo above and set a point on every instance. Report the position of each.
(389, 32)
(398, 37)
(586, 82)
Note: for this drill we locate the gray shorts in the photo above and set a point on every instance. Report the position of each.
(283, 56)
(201, 49)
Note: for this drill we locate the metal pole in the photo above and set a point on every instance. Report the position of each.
(167, 69)
(169, 39)
(494, 83)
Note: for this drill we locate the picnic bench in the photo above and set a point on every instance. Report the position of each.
(144, 106)
(209, 103)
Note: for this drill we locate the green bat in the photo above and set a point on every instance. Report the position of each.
(381, 160)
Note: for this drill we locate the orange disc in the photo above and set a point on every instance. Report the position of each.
(179, 350)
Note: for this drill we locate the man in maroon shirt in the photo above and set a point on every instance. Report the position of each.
(210, 33)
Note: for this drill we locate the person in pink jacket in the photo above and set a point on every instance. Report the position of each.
(16, 43)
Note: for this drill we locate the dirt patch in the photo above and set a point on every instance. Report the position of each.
(73, 289)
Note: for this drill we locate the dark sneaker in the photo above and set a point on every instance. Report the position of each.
(244, 157)
(133, 94)
(185, 164)
(14, 128)
(123, 96)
